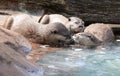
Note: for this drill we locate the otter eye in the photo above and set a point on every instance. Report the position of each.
(69, 19)
(90, 37)
(54, 31)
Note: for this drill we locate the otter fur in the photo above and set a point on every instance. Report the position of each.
(95, 34)
(85, 39)
(4, 14)
(101, 31)
(51, 34)
(73, 24)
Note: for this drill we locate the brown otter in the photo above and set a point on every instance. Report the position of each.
(4, 14)
(95, 34)
(52, 34)
(85, 39)
(73, 24)
(101, 31)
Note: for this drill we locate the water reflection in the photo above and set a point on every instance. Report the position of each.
(82, 62)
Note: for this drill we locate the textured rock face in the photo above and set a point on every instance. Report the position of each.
(15, 41)
(14, 64)
(96, 10)
(12, 48)
(106, 11)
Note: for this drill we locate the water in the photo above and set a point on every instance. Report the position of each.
(83, 62)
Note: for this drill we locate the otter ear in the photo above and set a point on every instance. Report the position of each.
(54, 31)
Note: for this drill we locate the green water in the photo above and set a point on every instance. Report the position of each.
(83, 62)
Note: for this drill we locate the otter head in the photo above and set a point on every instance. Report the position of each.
(75, 24)
(55, 34)
(85, 39)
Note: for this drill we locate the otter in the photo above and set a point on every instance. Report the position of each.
(95, 34)
(4, 14)
(73, 24)
(101, 31)
(85, 39)
(55, 34)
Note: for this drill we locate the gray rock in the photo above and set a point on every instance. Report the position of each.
(14, 64)
(15, 41)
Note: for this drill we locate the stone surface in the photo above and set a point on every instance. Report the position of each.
(14, 64)
(91, 11)
(13, 48)
(15, 41)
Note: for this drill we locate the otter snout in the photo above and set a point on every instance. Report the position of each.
(66, 41)
(69, 41)
(79, 29)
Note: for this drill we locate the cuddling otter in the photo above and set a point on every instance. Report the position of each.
(51, 34)
(51, 30)
(94, 34)
(85, 39)
(73, 24)
(101, 31)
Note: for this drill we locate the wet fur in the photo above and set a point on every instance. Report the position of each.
(94, 35)
(53, 33)
(73, 24)
(101, 31)
(86, 39)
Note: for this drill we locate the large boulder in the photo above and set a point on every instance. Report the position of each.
(13, 48)
(15, 41)
(14, 64)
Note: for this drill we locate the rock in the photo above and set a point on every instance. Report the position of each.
(14, 64)
(13, 48)
(15, 41)
(91, 11)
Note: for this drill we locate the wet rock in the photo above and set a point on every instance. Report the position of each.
(106, 11)
(13, 47)
(15, 41)
(14, 64)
